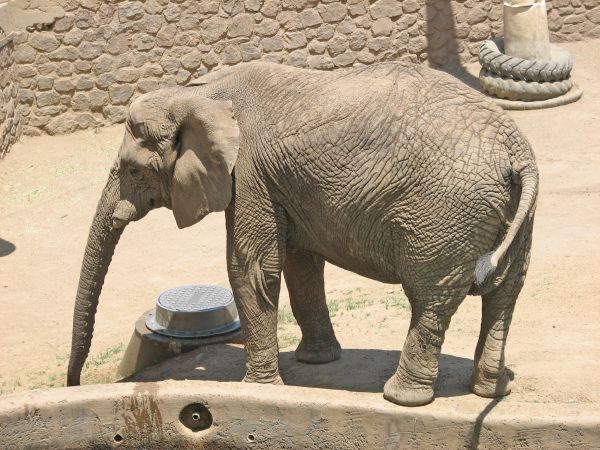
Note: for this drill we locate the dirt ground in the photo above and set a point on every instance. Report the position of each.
(49, 187)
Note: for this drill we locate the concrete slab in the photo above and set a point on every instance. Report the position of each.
(149, 415)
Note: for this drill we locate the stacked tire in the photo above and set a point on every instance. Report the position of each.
(513, 78)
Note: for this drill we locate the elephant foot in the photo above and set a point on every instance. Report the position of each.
(490, 386)
(318, 353)
(263, 380)
(404, 392)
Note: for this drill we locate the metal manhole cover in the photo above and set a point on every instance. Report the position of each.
(194, 311)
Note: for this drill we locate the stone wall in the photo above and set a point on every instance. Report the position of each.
(83, 70)
(10, 125)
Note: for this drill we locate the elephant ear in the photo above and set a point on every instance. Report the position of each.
(208, 145)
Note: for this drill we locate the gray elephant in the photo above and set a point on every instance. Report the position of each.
(398, 173)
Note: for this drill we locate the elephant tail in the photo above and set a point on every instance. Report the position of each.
(527, 175)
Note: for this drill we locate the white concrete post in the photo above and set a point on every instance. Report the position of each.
(526, 29)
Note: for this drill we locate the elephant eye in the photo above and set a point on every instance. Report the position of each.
(136, 174)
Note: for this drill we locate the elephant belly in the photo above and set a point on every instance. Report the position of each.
(372, 256)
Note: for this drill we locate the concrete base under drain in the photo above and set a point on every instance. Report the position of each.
(240, 415)
(146, 348)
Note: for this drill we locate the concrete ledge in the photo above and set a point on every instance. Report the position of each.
(147, 415)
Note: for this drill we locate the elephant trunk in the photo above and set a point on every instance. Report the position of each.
(101, 243)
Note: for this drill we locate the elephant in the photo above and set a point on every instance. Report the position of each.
(396, 172)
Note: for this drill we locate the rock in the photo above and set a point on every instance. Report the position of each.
(230, 55)
(170, 65)
(210, 59)
(61, 125)
(89, 50)
(98, 99)
(386, 8)
(310, 18)
(410, 6)
(44, 42)
(241, 25)
(153, 70)
(333, 12)
(152, 24)
(47, 98)
(103, 64)
(325, 32)
(143, 42)
(192, 60)
(104, 14)
(84, 19)
(73, 38)
(130, 11)
(319, 62)
(148, 85)
(476, 15)
(166, 36)
(297, 58)
(64, 24)
(417, 44)
(115, 114)
(317, 47)
(338, 45)
(127, 75)
(268, 27)
(290, 20)
(120, 94)
(80, 102)
(24, 53)
(105, 80)
(365, 57)
(357, 40)
(382, 27)
(45, 83)
(26, 96)
(272, 44)
(26, 71)
(153, 7)
(84, 84)
(213, 29)
(253, 5)
(90, 4)
(118, 44)
(172, 13)
(344, 60)
(271, 8)
(182, 76)
(64, 86)
(250, 51)
(294, 40)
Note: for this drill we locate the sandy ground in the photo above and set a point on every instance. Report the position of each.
(48, 193)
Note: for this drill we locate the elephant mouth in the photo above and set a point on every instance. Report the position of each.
(118, 223)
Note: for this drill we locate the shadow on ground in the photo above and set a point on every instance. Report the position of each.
(359, 370)
(6, 248)
(442, 44)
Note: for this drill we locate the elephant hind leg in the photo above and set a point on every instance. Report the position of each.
(303, 274)
(490, 376)
(414, 380)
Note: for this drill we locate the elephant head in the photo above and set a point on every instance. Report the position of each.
(178, 151)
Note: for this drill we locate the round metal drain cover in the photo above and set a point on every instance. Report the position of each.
(194, 311)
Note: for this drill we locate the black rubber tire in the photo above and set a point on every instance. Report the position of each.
(522, 90)
(492, 58)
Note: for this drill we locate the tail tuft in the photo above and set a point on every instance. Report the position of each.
(484, 268)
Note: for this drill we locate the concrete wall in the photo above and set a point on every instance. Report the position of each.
(84, 68)
(10, 124)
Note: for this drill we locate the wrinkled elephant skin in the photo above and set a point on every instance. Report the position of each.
(395, 172)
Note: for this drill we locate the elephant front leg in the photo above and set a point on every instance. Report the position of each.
(303, 273)
(255, 254)
(414, 380)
